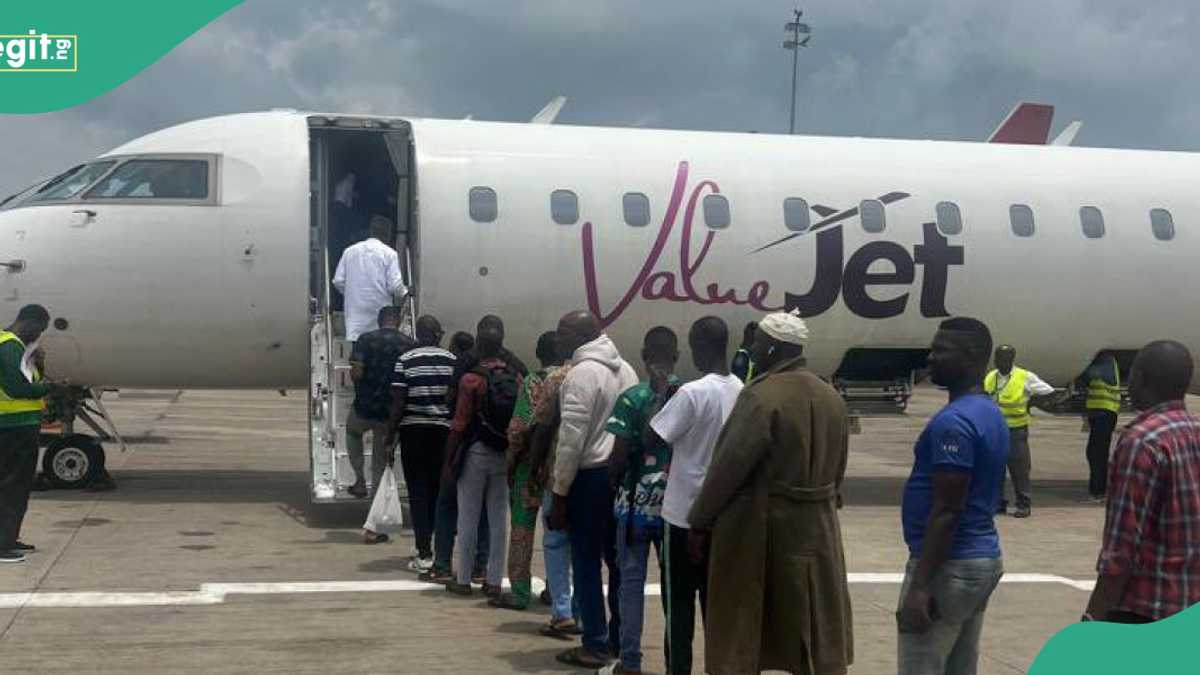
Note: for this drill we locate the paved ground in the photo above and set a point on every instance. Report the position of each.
(213, 491)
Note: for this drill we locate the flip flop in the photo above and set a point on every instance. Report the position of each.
(559, 632)
(581, 658)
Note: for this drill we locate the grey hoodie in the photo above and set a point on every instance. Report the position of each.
(598, 376)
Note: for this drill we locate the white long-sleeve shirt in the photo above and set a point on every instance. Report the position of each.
(368, 276)
(1034, 385)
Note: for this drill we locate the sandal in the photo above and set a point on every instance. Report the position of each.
(560, 630)
(581, 658)
(435, 576)
(507, 601)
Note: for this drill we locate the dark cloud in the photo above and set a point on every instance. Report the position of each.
(946, 69)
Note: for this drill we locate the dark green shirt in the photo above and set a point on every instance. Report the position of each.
(17, 386)
(640, 495)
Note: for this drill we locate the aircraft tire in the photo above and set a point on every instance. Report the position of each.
(72, 462)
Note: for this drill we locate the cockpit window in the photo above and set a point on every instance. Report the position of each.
(70, 182)
(155, 179)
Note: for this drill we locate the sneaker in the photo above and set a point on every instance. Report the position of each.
(436, 576)
(479, 578)
(21, 547)
(455, 588)
(418, 564)
(1023, 512)
(12, 557)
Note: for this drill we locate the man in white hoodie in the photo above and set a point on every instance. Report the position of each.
(583, 496)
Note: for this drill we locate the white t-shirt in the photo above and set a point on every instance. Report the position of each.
(691, 422)
(368, 275)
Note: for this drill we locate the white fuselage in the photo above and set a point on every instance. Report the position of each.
(218, 295)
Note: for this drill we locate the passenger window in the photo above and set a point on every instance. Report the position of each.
(716, 212)
(637, 209)
(1021, 218)
(795, 214)
(564, 207)
(71, 182)
(871, 212)
(1163, 224)
(1092, 221)
(482, 202)
(155, 179)
(949, 219)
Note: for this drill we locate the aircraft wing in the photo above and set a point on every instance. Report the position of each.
(1028, 123)
(1067, 135)
(548, 114)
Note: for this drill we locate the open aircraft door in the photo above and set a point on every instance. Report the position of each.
(378, 153)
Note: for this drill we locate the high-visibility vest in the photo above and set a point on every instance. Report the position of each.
(14, 406)
(1104, 396)
(1013, 399)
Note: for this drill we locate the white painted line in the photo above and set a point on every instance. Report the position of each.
(215, 594)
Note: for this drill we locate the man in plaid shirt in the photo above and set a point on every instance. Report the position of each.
(1150, 561)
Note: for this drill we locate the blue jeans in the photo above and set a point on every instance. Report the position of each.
(556, 546)
(960, 590)
(446, 527)
(633, 556)
(593, 539)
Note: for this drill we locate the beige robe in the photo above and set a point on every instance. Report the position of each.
(777, 593)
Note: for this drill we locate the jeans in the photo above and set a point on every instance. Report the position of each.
(1020, 465)
(482, 487)
(593, 539)
(18, 464)
(684, 583)
(1101, 424)
(556, 548)
(960, 590)
(446, 528)
(633, 556)
(356, 427)
(422, 448)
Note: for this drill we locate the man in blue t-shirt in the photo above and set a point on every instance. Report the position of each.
(949, 505)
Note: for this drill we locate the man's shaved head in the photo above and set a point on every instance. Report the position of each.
(577, 329)
(1161, 372)
(429, 331)
(1004, 358)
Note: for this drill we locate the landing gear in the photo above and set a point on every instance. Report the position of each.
(75, 461)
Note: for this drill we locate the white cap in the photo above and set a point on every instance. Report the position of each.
(786, 327)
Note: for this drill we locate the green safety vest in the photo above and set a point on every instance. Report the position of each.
(1013, 399)
(17, 406)
(1104, 396)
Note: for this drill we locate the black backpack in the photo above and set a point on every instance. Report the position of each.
(503, 384)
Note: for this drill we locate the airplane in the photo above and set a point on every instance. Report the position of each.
(200, 255)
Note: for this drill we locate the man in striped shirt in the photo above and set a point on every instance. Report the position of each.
(421, 417)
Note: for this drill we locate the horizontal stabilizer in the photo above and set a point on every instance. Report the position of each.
(548, 114)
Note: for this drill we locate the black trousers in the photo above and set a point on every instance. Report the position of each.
(422, 451)
(684, 581)
(18, 464)
(1101, 424)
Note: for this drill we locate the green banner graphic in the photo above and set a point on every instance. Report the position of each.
(55, 55)
(1099, 648)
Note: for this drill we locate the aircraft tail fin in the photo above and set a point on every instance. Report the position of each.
(1028, 123)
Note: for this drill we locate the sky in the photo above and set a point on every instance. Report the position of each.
(939, 69)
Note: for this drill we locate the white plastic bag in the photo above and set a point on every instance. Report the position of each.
(386, 514)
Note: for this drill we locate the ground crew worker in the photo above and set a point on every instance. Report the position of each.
(1103, 379)
(21, 393)
(1013, 389)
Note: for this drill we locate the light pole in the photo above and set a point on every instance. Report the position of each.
(796, 28)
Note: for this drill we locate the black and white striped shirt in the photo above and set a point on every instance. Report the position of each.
(425, 374)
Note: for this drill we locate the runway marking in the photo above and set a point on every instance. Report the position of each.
(215, 594)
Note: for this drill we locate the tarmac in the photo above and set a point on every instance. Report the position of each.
(209, 558)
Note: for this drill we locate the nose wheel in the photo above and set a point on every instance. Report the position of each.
(72, 462)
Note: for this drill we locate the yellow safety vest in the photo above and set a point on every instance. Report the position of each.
(1104, 396)
(1013, 400)
(15, 406)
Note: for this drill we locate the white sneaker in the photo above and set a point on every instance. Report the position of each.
(12, 557)
(420, 564)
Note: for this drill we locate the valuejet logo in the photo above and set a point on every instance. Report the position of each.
(34, 53)
(834, 275)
